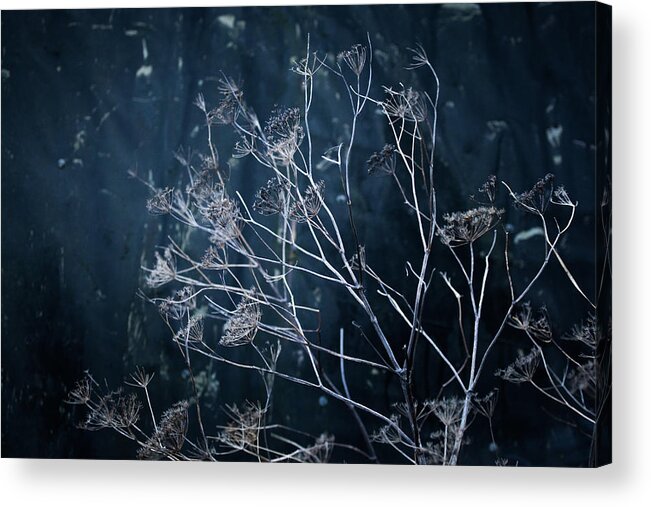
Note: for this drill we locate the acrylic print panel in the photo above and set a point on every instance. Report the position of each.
(352, 234)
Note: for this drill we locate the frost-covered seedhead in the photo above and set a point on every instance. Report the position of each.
(212, 259)
(179, 304)
(407, 104)
(161, 202)
(536, 326)
(354, 58)
(242, 326)
(587, 332)
(383, 162)
(192, 332)
(489, 188)
(284, 135)
(243, 428)
(164, 270)
(169, 437)
(464, 227)
(522, 369)
(309, 205)
(272, 198)
(448, 410)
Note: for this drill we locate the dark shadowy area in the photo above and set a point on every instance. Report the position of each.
(88, 96)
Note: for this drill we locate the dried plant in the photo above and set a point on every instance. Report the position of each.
(465, 227)
(242, 326)
(354, 58)
(522, 369)
(295, 232)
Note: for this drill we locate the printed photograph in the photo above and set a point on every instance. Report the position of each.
(370, 234)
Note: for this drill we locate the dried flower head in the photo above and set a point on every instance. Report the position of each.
(489, 188)
(583, 379)
(207, 163)
(383, 162)
(309, 206)
(306, 67)
(212, 259)
(407, 104)
(192, 332)
(301, 67)
(200, 102)
(243, 427)
(82, 392)
(113, 410)
(448, 410)
(161, 202)
(355, 58)
(229, 105)
(587, 332)
(284, 134)
(224, 215)
(242, 326)
(225, 112)
(388, 434)
(174, 426)
(169, 436)
(537, 199)
(178, 305)
(463, 227)
(485, 405)
(218, 210)
(536, 326)
(244, 146)
(140, 378)
(272, 198)
(562, 198)
(164, 269)
(522, 369)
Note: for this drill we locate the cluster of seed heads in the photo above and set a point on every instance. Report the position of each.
(583, 378)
